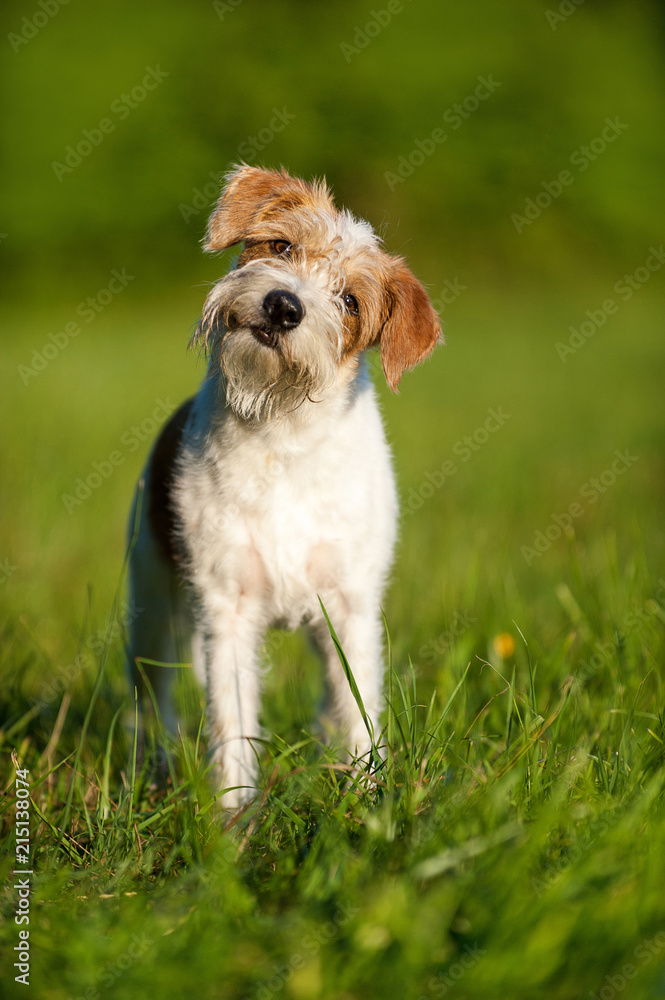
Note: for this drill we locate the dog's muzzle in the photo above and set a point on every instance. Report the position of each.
(283, 311)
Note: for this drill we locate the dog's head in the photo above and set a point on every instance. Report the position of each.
(310, 291)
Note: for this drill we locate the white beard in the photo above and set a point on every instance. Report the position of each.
(262, 382)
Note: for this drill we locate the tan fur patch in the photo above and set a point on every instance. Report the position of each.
(412, 329)
(259, 250)
(352, 334)
(252, 196)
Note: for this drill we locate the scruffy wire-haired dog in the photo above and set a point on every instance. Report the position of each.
(273, 486)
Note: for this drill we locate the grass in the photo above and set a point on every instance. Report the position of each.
(510, 842)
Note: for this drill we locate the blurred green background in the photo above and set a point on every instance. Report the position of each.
(359, 99)
(475, 138)
(101, 174)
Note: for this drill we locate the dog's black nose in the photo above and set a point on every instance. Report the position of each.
(283, 309)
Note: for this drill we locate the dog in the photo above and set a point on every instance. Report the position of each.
(271, 492)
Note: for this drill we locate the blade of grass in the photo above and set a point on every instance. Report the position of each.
(349, 676)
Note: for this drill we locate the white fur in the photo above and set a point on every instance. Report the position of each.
(285, 494)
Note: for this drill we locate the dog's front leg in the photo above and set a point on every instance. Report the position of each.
(359, 633)
(231, 639)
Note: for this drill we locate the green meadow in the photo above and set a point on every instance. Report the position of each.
(508, 841)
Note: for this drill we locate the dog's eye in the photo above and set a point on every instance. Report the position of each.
(351, 303)
(282, 247)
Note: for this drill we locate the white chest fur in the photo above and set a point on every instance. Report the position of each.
(274, 487)
(282, 512)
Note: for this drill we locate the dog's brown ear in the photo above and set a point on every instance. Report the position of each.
(412, 329)
(245, 190)
(251, 195)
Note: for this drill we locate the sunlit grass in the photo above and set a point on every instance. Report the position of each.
(506, 839)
